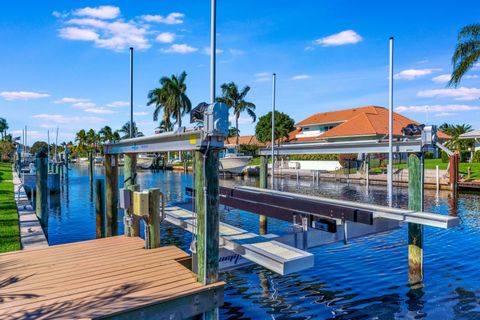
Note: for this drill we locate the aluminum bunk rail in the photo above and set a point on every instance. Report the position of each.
(365, 146)
(335, 209)
(188, 140)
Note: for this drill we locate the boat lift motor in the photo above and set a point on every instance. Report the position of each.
(212, 117)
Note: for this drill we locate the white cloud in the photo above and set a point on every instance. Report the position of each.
(118, 104)
(140, 113)
(461, 93)
(74, 33)
(339, 39)
(309, 48)
(22, 95)
(180, 48)
(263, 77)
(411, 74)
(437, 108)
(301, 77)
(443, 78)
(172, 18)
(470, 76)
(445, 114)
(83, 105)
(166, 37)
(99, 110)
(115, 35)
(206, 50)
(61, 119)
(101, 12)
(70, 100)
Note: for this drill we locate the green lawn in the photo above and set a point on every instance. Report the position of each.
(5, 171)
(9, 231)
(462, 168)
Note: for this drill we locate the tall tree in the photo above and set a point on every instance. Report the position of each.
(172, 98)
(125, 129)
(235, 100)
(82, 141)
(455, 131)
(3, 127)
(106, 134)
(467, 52)
(283, 126)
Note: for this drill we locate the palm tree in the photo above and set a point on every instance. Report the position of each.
(455, 131)
(3, 128)
(236, 100)
(172, 98)
(82, 141)
(93, 140)
(126, 130)
(164, 126)
(106, 134)
(467, 52)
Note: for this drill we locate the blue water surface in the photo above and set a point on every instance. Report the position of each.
(364, 279)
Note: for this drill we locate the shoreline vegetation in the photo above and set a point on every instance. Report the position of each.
(9, 229)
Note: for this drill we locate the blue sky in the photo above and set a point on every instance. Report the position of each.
(66, 63)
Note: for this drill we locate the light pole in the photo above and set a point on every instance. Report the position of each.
(273, 129)
(390, 129)
(131, 93)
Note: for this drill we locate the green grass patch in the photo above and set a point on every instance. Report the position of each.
(462, 167)
(9, 230)
(5, 171)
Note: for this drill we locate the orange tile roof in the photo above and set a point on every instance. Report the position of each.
(336, 116)
(371, 120)
(250, 140)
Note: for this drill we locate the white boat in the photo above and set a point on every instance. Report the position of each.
(234, 163)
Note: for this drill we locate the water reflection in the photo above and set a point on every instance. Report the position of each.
(366, 279)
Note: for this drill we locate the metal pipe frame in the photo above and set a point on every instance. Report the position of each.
(362, 146)
(189, 140)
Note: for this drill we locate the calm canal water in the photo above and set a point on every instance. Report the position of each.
(365, 279)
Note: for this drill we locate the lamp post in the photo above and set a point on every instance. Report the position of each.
(273, 129)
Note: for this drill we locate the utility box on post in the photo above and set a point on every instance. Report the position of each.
(125, 199)
(140, 203)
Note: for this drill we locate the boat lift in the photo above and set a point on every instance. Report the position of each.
(315, 220)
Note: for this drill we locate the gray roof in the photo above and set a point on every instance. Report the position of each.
(471, 135)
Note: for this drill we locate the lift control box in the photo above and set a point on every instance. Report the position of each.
(216, 119)
(125, 199)
(429, 135)
(140, 203)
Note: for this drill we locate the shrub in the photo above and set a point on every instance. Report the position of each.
(344, 159)
(324, 157)
(476, 156)
(444, 156)
(248, 149)
(428, 155)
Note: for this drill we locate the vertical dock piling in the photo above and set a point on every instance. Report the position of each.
(134, 230)
(129, 169)
(206, 202)
(263, 184)
(111, 174)
(41, 185)
(100, 207)
(66, 162)
(153, 218)
(90, 165)
(415, 231)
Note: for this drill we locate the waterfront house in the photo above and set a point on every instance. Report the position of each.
(363, 123)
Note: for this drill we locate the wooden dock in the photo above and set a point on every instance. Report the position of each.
(105, 278)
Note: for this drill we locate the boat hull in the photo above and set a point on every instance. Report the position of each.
(234, 165)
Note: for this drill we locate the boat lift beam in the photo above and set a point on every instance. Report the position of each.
(186, 140)
(335, 209)
(365, 146)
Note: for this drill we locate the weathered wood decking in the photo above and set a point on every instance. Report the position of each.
(103, 278)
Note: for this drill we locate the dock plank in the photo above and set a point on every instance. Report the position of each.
(101, 278)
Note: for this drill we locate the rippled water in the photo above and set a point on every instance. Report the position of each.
(365, 279)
